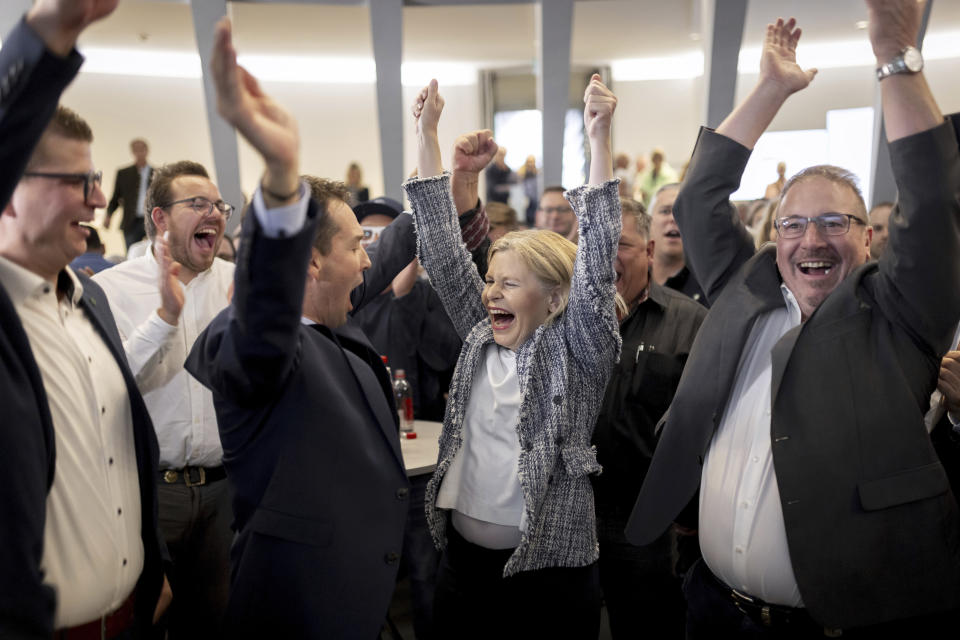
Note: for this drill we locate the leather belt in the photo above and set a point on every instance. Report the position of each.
(193, 476)
(103, 628)
(770, 616)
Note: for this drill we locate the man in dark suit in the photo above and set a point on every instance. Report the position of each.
(821, 508)
(78, 519)
(130, 190)
(304, 405)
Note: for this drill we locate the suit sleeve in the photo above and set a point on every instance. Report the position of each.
(248, 351)
(443, 253)
(919, 276)
(31, 81)
(715, 242)
(590, 320)
(393, 250)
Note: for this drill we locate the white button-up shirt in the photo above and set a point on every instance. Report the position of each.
(742, 533)
(181, 408)
(92, 550)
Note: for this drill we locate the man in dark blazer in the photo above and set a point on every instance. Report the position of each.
(304, 404)
(37, 62)
(821, 508)
(130, 189)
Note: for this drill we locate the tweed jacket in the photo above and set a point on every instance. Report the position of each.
(563, 370)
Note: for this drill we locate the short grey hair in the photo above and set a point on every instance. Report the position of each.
(837, 175)
(636, 212)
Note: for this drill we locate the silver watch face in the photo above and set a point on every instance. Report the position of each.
(912, 59)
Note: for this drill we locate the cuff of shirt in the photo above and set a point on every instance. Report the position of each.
(156, 329)
(282, 221)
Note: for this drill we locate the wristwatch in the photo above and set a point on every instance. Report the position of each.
(907, 61)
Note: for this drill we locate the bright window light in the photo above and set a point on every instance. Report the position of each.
(853, 53)
(311, 69)
(139, 62)
(448, 74)
(686, 65)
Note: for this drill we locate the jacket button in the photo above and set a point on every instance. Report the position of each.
(557, 400)
(559, 440)
(402, 493)
(528, 446)
(392, 557)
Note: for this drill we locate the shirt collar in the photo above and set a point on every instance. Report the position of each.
(22, 283)
(793, 307)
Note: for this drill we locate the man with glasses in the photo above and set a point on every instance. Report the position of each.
(80, 551)
(555, 214)
(162, 301)
(823, 508)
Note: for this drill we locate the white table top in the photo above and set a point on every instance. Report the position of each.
(420, 453)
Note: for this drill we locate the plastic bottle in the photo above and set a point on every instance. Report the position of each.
(403, 393)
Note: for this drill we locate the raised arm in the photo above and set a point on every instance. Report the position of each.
(247, 353)
(715, 242)
(439, 244)
(590, 320)
(780, 77)
(919, 270)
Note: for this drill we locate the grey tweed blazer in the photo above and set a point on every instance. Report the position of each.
(563, 370)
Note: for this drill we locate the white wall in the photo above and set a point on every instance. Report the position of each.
(339, 123)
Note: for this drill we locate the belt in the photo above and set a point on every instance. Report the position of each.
(103, 628)
(767, 615)
(193, 476)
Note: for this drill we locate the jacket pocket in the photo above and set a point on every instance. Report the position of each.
(907, 486)
(316, 533)
(580, 461)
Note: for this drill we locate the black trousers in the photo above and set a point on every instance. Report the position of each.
(641, 592)
(474, 600)
(712, 615)
(195, 523)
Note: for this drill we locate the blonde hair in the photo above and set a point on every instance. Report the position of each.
(548, 255)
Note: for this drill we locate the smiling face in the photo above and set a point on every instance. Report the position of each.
(332, 276)
(41, 223)
(516, 300)
(194, 237)
(814, 264)
(668, 245)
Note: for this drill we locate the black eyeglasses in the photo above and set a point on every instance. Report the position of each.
(91, 177)
(203, 206)
(829, 224)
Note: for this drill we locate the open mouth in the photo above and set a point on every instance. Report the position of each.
(673, 233)
(815, 267)
(500, 320)
(205, 238)
(83, 227)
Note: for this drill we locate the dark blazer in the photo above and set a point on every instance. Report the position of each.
(126, 189)
(27, 453)
(872, 526)
(310, 445)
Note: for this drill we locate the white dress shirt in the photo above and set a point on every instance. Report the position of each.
(482, 486)
(742, 533)
(92, 549)
(181, 408)
(142, 190)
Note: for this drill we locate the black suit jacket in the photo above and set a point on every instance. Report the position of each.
(126, 190)
(27, 453)
(310, 444)
(872, 526)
